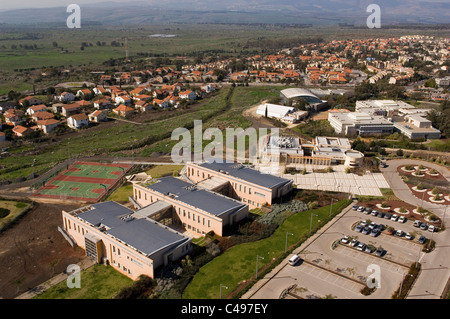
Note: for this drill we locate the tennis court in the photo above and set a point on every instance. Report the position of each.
(84, 181)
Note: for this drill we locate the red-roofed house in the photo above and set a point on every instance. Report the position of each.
(77, 121)
(20, 130)
(187, 95)
(47, 125)
(123, 110)
(98, 116)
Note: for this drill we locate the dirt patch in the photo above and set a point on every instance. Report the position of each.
(33, 250)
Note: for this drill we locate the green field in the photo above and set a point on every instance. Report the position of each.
(96, 171)
(164, 170)
(122, 193)
(239, 262)
(73, 189)
(97, 282)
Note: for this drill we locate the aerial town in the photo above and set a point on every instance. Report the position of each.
(355, 127)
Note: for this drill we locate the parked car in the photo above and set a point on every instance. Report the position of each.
(374, 213)
(394, 217)
(432, 228)
(399, 233)
(390, 231)
(375, 232)
(345, 240)
(361, 208)
(354, 242)
(417, 223)
(409, 236)
(372, 225)
(367, 211)
(361, 246)
(359, 228)
(381, 227)
(422, 239)
(366, 230)
(381, 214)
(369, 249)
(294, 260)
(423, 226)
(363, 223)
(383, 164)
(401, 219)
(380, 252)
(387, 216)
(355, 207)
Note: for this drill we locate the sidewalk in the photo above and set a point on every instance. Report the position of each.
(84, 264)
(260, 284)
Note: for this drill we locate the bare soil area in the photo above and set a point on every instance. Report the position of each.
(33, 250)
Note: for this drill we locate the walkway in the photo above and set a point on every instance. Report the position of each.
(84, 264)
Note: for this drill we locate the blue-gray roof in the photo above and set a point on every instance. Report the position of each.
(142, 234)
(146, 236)
(107, 213)
(246, 174)
(187, 193)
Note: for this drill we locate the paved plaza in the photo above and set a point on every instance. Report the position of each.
(337, 181)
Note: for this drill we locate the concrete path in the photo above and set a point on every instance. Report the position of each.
(84, 264)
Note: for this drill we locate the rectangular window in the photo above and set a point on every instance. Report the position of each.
(249, 190)
(245, 189)
(209, 223)
(193, 217)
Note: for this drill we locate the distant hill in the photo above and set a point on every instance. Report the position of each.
(317, 12)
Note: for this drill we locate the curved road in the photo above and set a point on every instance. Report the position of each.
(435, 265)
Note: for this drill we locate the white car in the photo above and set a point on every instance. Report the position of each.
(409, 236)
(432, 228)
(354, 242)
(401, 219)
(293, 260)
(345, 240)
(399, 233)
(394, 217)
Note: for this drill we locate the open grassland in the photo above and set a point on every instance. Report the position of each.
(97, 282)
(239, 262)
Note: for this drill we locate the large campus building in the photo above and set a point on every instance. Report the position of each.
(128, 240)
(323, 151)
(360, 123)
(248, 185)
(192, 208)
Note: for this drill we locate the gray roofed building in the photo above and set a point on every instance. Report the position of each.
(146, 236)
(207, 201)
(246, 174)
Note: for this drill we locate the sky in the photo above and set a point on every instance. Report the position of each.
(23, 4)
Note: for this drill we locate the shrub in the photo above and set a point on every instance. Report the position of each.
(419, 186)
(140, 289)
(384, 205)
(435, 191)
(329, 169)
(421, 210)
(400, 152)
(402, 210)
(4, 212)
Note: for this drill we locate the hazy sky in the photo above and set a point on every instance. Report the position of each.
(20, 4)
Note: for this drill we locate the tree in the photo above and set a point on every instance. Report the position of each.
(400, 152)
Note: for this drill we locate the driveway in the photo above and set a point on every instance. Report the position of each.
(436, 265)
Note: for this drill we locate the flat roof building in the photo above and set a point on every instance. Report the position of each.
(129, 241)
(359, 123)
(325, 151)
(415, 127)
(280, 112)
(197, 210)
(248, 185)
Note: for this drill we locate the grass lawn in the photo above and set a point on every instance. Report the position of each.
(164, 170)
(239, 262)
(97, 282)
(15, 208)
(122, 193)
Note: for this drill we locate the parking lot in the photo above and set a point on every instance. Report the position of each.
(330, 267)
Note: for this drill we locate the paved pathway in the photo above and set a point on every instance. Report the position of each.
(84, 264)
